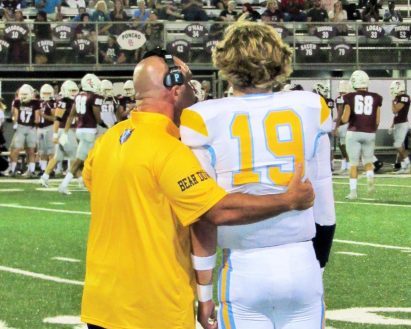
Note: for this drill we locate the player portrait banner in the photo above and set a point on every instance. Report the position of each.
(209, 45)
(308, 50)
(195, 30)
(373, 31)
(45, 47)
(179, 48)
(282, 31)
(342, 51)
(401, 31)
(325, 32)
(63, 32)
(4, 47)
(82, 46)
(16, 32)
(131, 40)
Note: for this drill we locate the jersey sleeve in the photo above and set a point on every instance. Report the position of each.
(325, 116)
(193, 129)
(189, 188)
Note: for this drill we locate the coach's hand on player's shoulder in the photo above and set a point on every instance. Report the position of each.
(300, 192)
(206, 315)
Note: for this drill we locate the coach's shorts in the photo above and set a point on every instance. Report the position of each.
(69, 150)
(268, 288)
(86, 142)
(360, 145)
(400, 131)
(25, 136)
(45, 145)
(342, 132)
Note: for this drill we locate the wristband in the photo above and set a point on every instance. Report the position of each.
(203, 263)
(204, 292)
(55, 135)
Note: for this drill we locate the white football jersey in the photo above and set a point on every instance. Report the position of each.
(250, 144)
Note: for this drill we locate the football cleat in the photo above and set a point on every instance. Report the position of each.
(378, 165)
(44, 182)
(352, 195)
(64, 190)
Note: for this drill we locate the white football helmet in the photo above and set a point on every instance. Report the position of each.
(198, 90)
(397, 87)
(128, 88)
(359, 79)
(26, 93)
(69, 89)
(46, 92)
(90, 82)
(343, 87)
(322, 89)
(106, 88)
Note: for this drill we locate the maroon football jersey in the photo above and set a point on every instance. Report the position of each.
(339, 104)
(363, 105)
(26, 111)
(124, 102)
(47, 107)
(66, 104)
(402, 116)
(84, 108)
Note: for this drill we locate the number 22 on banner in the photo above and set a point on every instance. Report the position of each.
(290, 148)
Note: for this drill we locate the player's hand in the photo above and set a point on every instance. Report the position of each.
(300, 192)
(206, 315)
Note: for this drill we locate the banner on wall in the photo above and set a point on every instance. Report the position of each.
(131, 40)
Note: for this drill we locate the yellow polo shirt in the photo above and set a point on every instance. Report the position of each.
(146, 187)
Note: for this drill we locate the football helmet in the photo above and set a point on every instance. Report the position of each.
(90, 82)
(198, 90)
(359, 79)
(343, 87)
(106, 88)
(292, 86)
(128, 88)
(69, 89)
(26, 93)
(397, 87)
(321, 89)
(46, 92)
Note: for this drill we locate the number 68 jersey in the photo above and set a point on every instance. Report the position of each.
(251, 144)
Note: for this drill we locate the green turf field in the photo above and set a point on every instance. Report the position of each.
(43, 239)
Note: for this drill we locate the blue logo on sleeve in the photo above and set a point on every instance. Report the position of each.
(125, 135)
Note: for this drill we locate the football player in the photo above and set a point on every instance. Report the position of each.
(340, 130)
(251, 142)
(64, 105)
(25, 116)
(198, 90)
(109, 106)
(400, 108)
(87, 109)
(45, 146)
(127, 101)
(362, 112)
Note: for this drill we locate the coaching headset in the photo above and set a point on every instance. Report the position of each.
(174, 76)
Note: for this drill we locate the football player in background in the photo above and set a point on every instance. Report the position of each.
(25, 116)
(400, 108)
(87, 109)
(64, 105)
(362, 112)
(251, 143)
(45, 146)
(340, 130)
(127, 101)
(109, 106)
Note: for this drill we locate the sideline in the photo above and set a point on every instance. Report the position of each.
(17, 206)
(375, 204)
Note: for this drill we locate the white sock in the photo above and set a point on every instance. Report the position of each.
(45, 176)
(406, 162)
(67, 179)
(353, 184)
(59, 166)
(370, 174)
(343, 164)
(13, 166)
(43, 164)
(31, 166)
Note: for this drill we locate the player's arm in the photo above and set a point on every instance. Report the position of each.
(377, 117)
(340, 110)
(47, 117)
(37, 116)
(58, 116)
(70, 118)
(203, 255)
(346, 113)
(397, 106)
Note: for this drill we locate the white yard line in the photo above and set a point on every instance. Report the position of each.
(375, 204)
(377, 185)
(11, 190)
(58, 203)
(45, 209)
(28, 181)
(377, 176)
(375, 245)
(66, 259)
(349, 253)
(40, 276)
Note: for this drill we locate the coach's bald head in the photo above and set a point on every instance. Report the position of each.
(151, 93)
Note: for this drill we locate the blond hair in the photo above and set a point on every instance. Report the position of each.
(252, 55)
